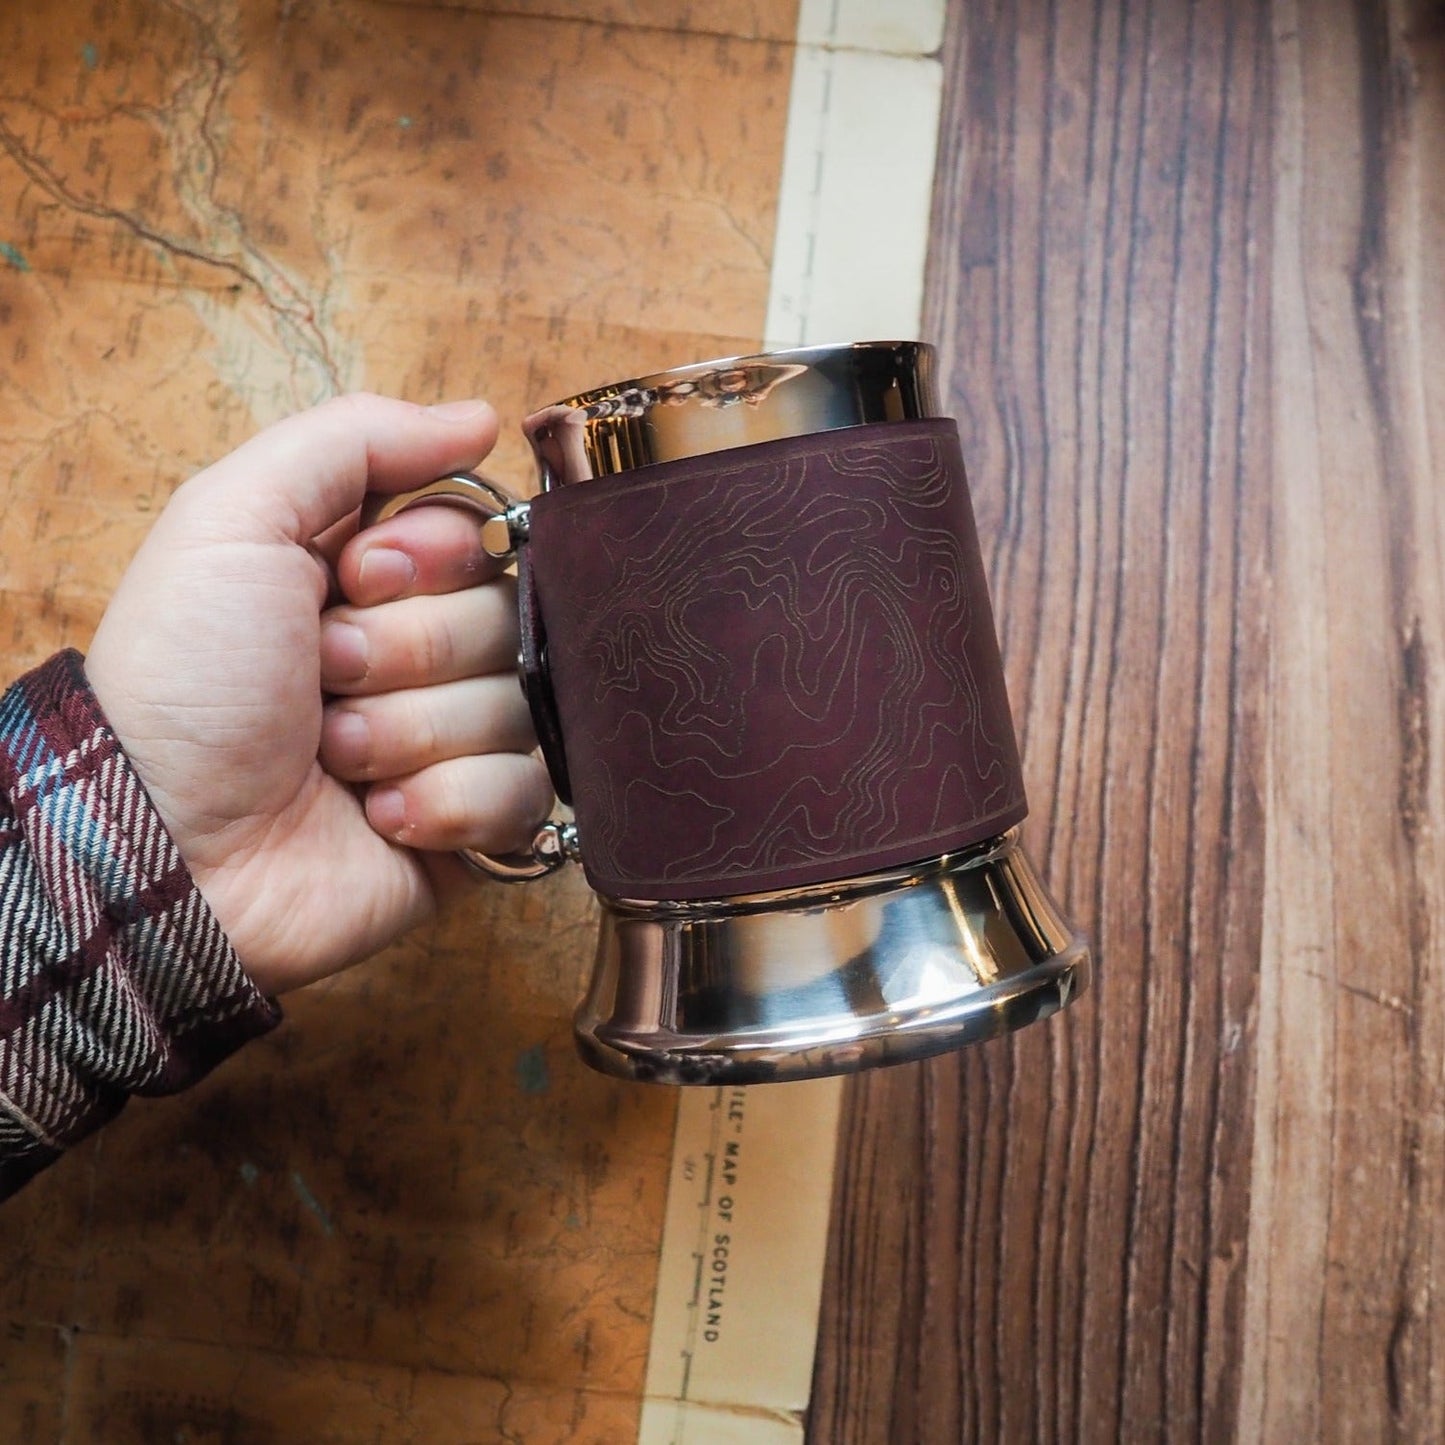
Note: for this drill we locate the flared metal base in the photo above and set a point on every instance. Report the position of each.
(832, 979)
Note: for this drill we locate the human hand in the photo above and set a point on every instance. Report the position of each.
(212, 658)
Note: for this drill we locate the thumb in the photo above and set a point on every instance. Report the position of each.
(305, 474)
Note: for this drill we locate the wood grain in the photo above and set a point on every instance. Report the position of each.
(1187, 276)
(1344, 1338)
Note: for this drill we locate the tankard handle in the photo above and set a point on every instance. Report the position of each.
(504, 529)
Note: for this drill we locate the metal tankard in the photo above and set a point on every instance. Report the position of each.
(760, 656)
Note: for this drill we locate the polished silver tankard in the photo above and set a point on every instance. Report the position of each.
(761, 659)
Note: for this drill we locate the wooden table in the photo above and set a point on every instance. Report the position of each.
(1189, 271)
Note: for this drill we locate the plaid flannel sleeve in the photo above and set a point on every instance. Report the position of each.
(115, 978)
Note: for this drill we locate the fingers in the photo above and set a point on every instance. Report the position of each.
(493, 803)
(366, 738)
(420, 641)
(428, 710)
(433, 549)
(303, 475)
(450, 764)
(420, 660)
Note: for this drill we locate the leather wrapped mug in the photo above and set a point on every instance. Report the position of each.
(761, 661)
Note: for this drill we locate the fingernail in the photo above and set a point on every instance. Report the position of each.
(348, 739)
(344, 653)
(385, 573)
(459, 410)
(386, 811)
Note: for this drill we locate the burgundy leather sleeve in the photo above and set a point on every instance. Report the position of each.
(537, 680)
(775, 666)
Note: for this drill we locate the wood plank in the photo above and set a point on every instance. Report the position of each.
(1343, 1338)
(1064, 1213)
(1189, 271)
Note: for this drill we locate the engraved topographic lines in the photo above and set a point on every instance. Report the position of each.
(778, 664)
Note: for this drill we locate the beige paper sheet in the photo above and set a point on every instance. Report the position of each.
(412, 1214)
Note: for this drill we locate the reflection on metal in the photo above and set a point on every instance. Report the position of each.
(831, 979)
(716, 405)
(554, 846)
(807, 982)
(506, 522)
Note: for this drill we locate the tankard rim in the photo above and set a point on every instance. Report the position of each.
(732, 401)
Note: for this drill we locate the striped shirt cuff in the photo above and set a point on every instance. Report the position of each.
(115, 978)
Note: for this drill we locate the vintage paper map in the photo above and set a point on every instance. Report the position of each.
(411, 1215)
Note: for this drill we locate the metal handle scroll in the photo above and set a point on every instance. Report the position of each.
(504, 524)
(504, 529)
